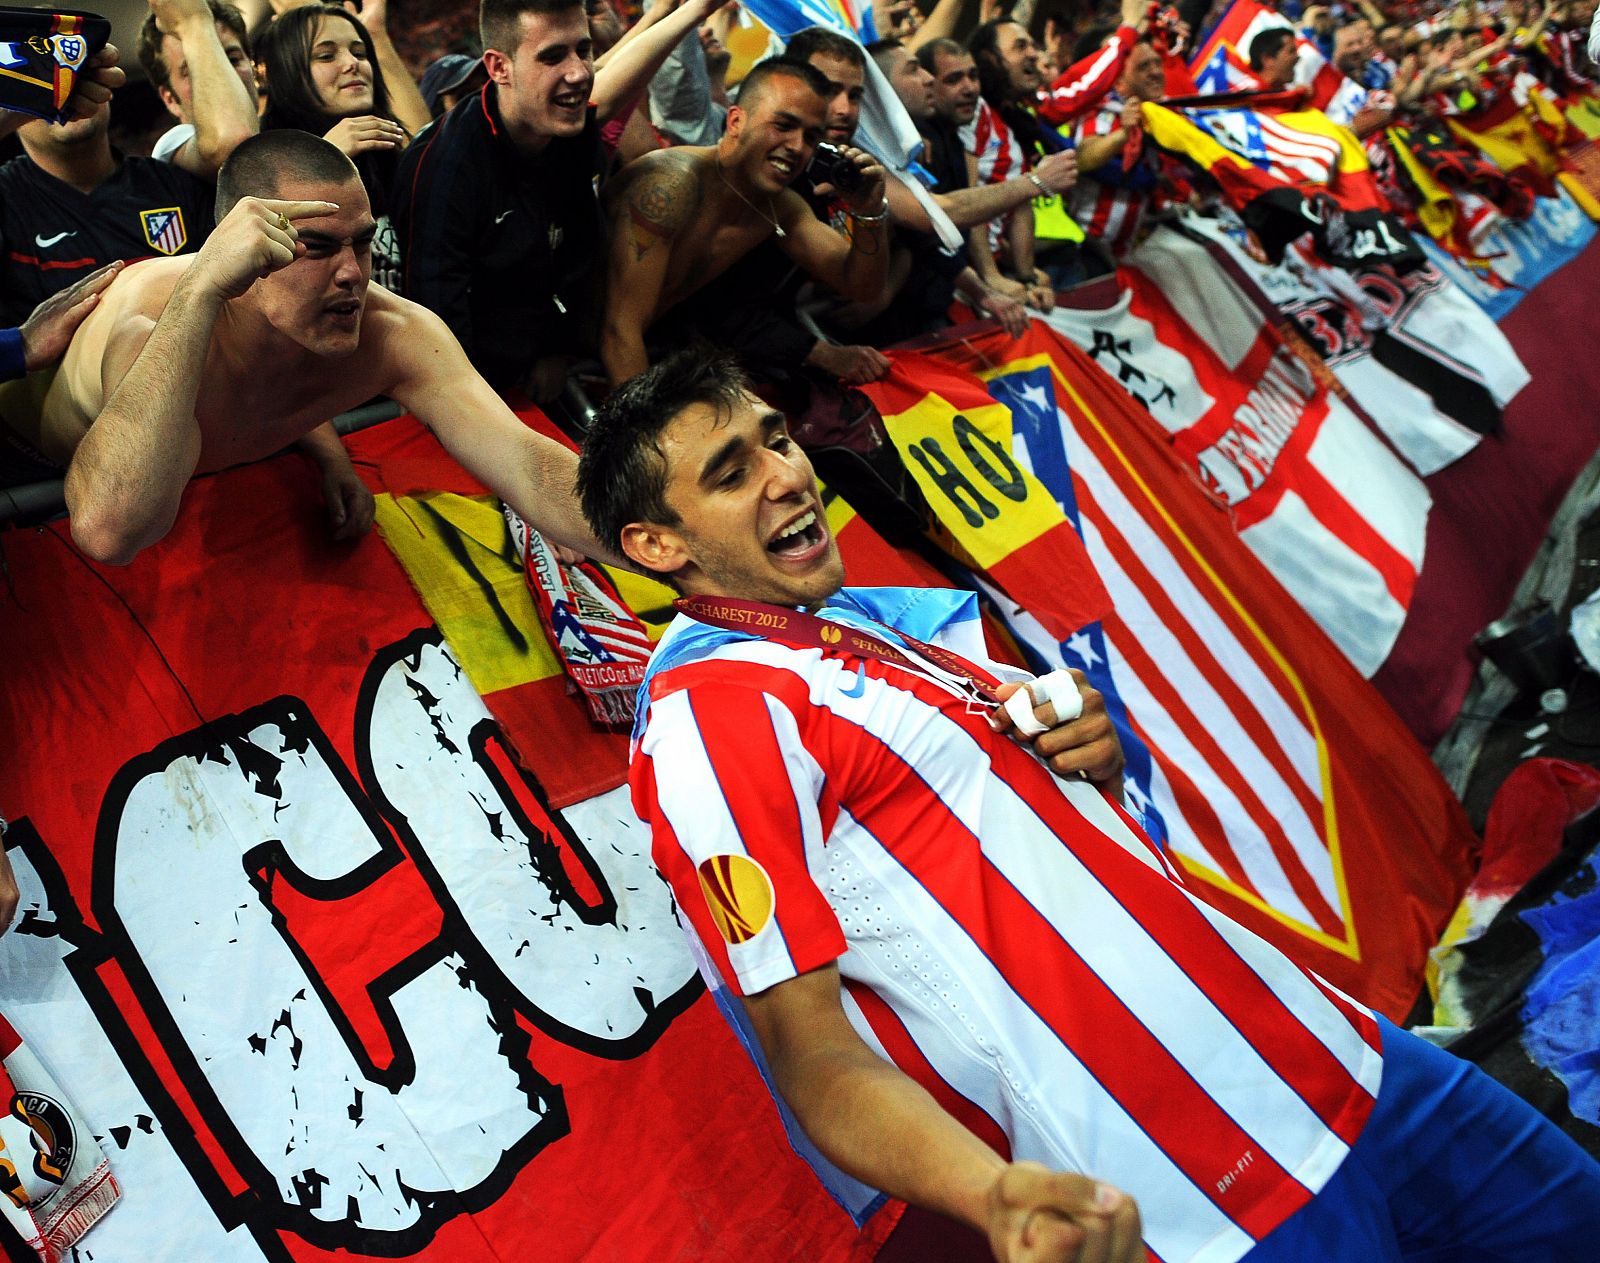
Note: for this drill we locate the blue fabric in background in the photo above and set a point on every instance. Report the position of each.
(1527, 253)
(1561, 1010)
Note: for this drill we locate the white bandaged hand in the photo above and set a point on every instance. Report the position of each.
(1058, 688)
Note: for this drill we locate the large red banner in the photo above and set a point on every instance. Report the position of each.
(314, 952)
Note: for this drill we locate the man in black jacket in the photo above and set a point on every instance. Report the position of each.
(495, 202)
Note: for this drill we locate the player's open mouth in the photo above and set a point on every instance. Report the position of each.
(345, 310)
(570, 100)
(802, 539)
(783, 166)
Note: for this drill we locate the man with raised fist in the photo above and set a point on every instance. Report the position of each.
(194, 364)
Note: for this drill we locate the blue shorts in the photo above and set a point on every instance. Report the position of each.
(1451, 1168)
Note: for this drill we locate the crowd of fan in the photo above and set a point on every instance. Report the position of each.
(501, 181)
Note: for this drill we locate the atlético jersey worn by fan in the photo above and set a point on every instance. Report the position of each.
(52, 235)
(1111, 204)
(999, 153)
(1009, 939)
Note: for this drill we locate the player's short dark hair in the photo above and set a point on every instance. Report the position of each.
(826, 42)
(154, 60)
(622, 475)
(754, 84)
(261, 165)
(928, 55)
(499, 20)
(1268, 43)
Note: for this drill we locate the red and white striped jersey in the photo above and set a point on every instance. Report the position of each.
(1084, 83)
(1009, 939)
(1106, 211)
(999, 153)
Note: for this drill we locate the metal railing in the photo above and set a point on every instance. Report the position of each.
(41, 501)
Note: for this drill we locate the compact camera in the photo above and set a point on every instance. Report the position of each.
(830, 165)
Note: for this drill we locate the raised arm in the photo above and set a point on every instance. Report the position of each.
(628, 70)
(223, 113)
(438, 385)
(647, 19)
(1531, 38)
(1055, 173)
(942, 23)
(874, 1122)
(127, 477)
(857, 267)
(405, 98)
(658, 196)
(1082, 85)
(1479, 56)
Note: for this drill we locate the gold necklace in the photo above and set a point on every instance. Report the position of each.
(771, 214)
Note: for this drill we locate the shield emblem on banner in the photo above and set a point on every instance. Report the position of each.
(164, 229)
(70, 50)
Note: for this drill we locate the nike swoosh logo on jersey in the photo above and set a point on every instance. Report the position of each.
(860, 684)
(44, 243)
(501, 216)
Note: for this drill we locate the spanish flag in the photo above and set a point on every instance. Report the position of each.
(1519, 141)
(992, 514)
(1436, 205)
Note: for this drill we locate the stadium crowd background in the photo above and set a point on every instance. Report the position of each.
(996, 92)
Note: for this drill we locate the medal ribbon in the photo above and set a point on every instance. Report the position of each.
(807, 631)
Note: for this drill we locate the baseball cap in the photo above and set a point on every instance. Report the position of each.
(446, 75)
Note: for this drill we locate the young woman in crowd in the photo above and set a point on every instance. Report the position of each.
(324, 72)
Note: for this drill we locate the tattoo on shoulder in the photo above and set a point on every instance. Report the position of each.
(660, 203)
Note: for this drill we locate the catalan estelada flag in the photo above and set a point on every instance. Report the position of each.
(992, 513)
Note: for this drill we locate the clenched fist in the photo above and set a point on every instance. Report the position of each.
(256, 238)
(1058, 172)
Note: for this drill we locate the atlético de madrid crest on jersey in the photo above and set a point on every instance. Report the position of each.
(164, 229)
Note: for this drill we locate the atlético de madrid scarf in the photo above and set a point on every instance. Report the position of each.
(41, 54)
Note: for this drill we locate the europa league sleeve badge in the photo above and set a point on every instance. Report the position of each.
(41, 54)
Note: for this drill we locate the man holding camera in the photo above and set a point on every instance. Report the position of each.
(681, 217)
